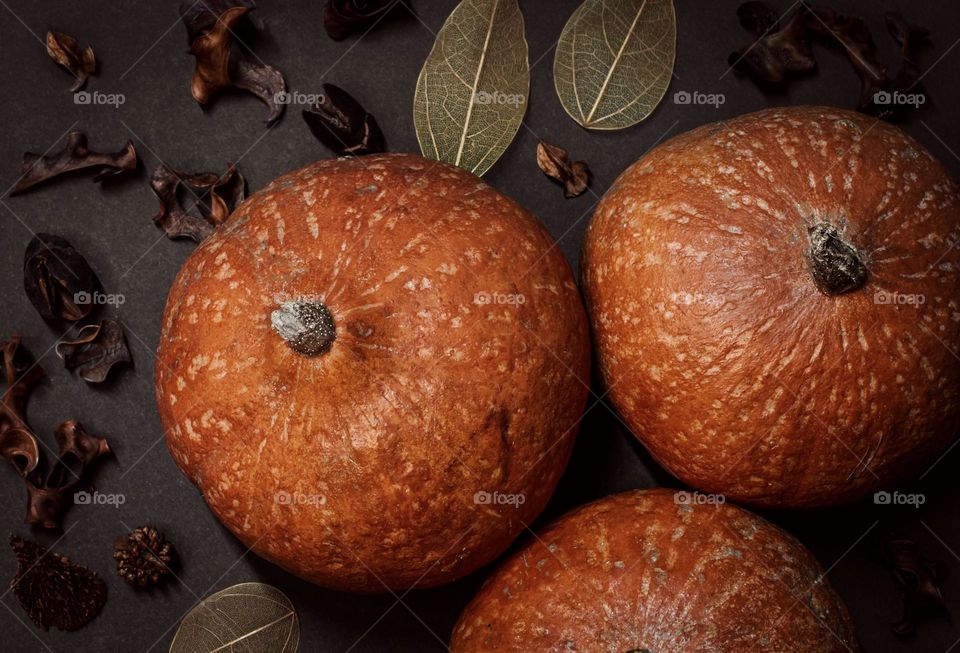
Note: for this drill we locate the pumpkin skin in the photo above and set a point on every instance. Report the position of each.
(718, 348)
(639, 571)
(357, 468)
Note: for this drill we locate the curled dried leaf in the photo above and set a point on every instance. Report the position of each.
(216, 197)
(95, 351)
(57, 279)
(65, 50)
(853, 35)
(37, 168)
(920, 582)
(342, 124)
(21, 374)
(779, 51)
(555, 162)
(54, 591)
(341, 18)
(212, 29)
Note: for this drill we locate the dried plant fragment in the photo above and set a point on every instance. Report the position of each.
(342, 124)
(57, 279)
(75, 156)
(144, 557)
(554, 161)
(50, 488)
(95, 351)
(216, 197)
(341, 18)
(854, 37)
(779, 52)
(65, 50)
(54, 591)
(920, 583)
(212, 28)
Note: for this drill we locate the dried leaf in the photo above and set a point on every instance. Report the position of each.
(472, 92)
(779, 52)
(199, 16)
(920, 582)
(65, 50)
(212, 50)
(555, 162)
(614, 61)
(216, 197)
(75, 156)
(245, 618)
(342, 124)
(854, 36)
(22, 374)
(95, 351)
(341, 18)
(264, 82)
(57, 279)
(54, 591)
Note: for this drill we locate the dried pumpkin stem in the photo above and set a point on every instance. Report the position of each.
(307, 326)
(836, 265)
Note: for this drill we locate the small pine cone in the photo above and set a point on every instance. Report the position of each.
(144, 557)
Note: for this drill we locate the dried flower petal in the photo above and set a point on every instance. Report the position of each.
(75, 156)
(54, 591)
(95, 351)
(65, 50)
(211, 28)
(217, 196)
(554, 161)
(341, 18)
(342, 124)
(57, 279)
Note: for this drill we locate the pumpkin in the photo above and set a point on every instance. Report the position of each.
(372, 371)
(650, 570)
(774, 302)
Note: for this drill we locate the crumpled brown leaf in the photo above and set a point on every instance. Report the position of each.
(57, 278)
(54, 591)
(65, 50)
(75, 156)
(217, 196)
(555, 162)
(96, 349)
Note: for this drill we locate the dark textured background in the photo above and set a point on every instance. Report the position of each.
(142, 52)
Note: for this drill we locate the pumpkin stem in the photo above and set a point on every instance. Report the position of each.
(306, 325)
(836, 265)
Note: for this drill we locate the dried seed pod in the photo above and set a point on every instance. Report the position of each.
(554, 161)
(342, 124)
(65, 50)
(57, 279)
(144, 557)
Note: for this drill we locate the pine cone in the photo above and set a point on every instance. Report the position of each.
(144, 557)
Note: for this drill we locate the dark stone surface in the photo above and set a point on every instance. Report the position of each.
(142, 52)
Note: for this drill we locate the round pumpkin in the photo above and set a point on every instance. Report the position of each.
(655, 571)
(774, 302)
(373, 371)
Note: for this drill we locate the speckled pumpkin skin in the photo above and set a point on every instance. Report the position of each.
(357, 469)
(640, 572)
(717, 348)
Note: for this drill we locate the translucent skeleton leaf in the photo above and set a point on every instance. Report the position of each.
(614, 61)
(472, 92)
